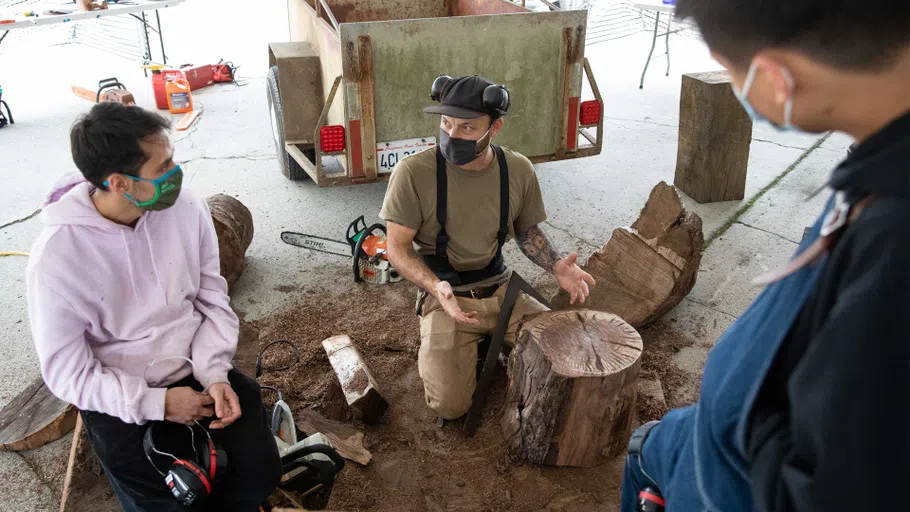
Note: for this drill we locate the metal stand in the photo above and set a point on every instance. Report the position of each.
(145, 29)
(666, 35)
(516, 284)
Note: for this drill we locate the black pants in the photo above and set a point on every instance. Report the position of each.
(254, 467)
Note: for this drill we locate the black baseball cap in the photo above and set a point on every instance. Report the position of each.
(462, 98)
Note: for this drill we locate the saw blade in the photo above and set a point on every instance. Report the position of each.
(317, 243)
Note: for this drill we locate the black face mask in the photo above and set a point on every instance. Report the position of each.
(462, 151)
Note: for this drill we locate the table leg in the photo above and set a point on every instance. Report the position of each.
(148, 46)
(161, 38)
(667, 42)
(641, 84)
(6, 33)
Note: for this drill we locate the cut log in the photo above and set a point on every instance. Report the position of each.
(234, 227)
(34, 418)
(345, 438)
(572, 388)
(647, 270)
(359, 386)
(714, 137)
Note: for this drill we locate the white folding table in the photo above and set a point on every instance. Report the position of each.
(658, 7)
(134, 8)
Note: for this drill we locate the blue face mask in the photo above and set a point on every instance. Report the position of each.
(743, 97)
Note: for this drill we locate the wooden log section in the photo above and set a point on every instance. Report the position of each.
(347, 440)
(359, 386)
(34, 418)
(572, 388)
(234, 227)
(647, 270)
(714, 137)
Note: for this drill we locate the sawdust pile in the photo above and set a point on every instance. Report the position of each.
(417, 466)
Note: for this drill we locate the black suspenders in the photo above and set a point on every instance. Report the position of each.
(439, 262)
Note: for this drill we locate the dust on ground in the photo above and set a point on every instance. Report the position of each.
(417, 466)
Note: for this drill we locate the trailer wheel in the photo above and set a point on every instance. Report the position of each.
(289, 167)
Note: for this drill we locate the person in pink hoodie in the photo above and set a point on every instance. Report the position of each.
(132, 322)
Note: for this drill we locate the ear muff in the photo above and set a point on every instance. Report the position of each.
(439, 85)
(212, 459)
(187, 481)
(496, 99)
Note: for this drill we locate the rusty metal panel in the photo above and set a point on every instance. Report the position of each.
(358, 11)
(477, 7)
(526, 52)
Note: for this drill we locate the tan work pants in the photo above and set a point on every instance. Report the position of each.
(448, 350)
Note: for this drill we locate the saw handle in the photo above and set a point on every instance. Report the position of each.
(354, 232)
(107, 83)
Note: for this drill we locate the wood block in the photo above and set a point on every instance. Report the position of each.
(645, 271)
(359, 386)
(572, 388)
(714, 138)
(347, 440)
(34, 418)
(234, 228)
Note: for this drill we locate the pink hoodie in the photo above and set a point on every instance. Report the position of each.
(105, 300)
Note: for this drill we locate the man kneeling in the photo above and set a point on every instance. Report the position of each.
(132, 322)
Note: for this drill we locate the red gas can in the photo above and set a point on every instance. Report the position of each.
(159, 81)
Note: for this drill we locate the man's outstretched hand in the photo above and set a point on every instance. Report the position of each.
(445, 296)
(227, 405)
(573, 279)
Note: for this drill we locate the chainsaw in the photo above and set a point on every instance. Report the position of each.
(365, 245)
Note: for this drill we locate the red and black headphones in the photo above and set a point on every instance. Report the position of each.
(190, 481)
(496, 97)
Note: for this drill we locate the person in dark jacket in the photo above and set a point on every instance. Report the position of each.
(804, 400)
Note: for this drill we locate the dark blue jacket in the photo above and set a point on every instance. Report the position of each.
(833, 431)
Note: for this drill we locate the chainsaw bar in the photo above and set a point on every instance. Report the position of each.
(317, 243)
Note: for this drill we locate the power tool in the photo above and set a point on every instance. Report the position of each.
(366, 246)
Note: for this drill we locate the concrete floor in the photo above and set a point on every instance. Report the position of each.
(230, 150)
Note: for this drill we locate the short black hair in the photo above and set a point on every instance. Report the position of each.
(862, 35)
(106, 140)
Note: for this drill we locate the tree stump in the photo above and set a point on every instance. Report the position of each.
(34, 418)
(714, 137)
(647, 270)
(572, 388)
(234, 227)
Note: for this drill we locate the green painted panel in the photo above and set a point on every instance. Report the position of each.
(523, 51)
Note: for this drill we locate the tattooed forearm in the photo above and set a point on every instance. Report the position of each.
(537, 247)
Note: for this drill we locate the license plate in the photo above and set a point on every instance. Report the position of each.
(390, 153)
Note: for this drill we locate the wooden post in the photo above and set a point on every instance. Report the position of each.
(572, 388)
(234, 227)
(714, 137)
(360, 389)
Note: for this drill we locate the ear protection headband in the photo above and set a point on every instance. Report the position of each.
(190, 481)
(496, 97)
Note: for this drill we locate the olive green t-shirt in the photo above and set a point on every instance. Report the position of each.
(472, 221)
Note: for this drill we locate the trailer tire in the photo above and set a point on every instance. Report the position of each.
(289, 167)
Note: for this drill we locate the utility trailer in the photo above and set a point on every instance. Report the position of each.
(356, 76)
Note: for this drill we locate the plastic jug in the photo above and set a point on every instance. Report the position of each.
(179, 97)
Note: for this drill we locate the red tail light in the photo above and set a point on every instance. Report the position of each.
(331, 139)
(591, 112)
